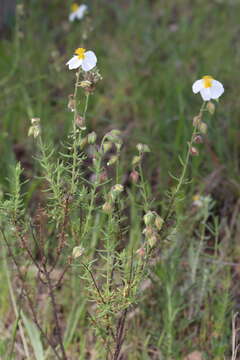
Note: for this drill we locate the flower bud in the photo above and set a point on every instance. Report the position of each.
(159, 222)
(152, 240)
(35, 121)
(149, 218)
(211, 107)
(35, 129)
(92, 137)
(80, 122)
(136, 160)
(134, 176)
(141, 251)
(107, 146)
(198, 139)
(112, 160)
(83, 142)
(77, 251)
(107, 207)
(194, 151)
(143, 148)
(103, 177)
(148, 231)
(203, 128)
(71, 103)
(116, 190)
(85, 84)
(197, 120)
(118, 145)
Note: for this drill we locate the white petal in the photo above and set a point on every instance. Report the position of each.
(206, 94)
(197, 86)
(73, 16)
(81, 11)
(90, 61)
(74, 63)
(216, 89)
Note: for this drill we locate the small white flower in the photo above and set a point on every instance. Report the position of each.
(77, 12)
(209, 88)
(86, 59)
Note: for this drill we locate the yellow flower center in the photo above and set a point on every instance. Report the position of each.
(74, 7)
(207, 81)
(196, 197)
(80, 52)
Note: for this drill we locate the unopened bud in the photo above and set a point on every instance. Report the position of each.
(77, 251)
(107, 207)
(159, 222)
(197, 120)
(103, 177)
(107, 146)
(85, 84)
(112, 160)
(194, 151)
(71, 103)
(143, 148)
(152, 240)
(203, 128)
(35, 121)
(35, 129)
(83, 142)
(141, 251)
(134, 176)
(198, 139)
(211, 107)
(92, 137)
(80, 122)
(116, 190)
(148, 231)
(118, 145)
(136, 160)
(149, 218)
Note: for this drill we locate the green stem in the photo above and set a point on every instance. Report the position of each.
(74, 165)
(86, 105)
(185, 166)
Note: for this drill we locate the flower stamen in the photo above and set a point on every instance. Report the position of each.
(207, 81)
(74, 7)
(80, 52)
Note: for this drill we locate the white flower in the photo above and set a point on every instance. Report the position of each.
(209, 88)
(77, 12)
(86, 59)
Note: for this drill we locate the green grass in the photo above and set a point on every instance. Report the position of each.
(149, 54)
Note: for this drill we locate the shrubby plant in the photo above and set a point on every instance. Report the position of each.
(99, 234)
